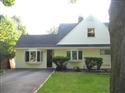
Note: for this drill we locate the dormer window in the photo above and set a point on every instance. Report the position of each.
(91, 32)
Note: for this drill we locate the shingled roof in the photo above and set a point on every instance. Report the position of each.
(45, 40)
(50, 40)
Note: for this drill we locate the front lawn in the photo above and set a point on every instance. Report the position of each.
(74, 82)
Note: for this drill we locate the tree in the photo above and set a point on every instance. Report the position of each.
(4, 51)
(117, 35)
(8, 37)
(19, 25)
(8, 2)
(53, 30)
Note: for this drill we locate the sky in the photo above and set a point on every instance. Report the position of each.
(40, 15)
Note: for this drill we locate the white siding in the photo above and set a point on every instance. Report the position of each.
(79, 34)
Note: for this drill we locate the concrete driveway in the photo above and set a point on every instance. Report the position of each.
(22, 81)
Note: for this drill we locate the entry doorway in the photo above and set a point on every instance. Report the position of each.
(49, 57)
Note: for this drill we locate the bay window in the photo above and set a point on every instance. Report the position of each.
(33, 56)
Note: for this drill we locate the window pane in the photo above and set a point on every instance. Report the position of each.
(27, 56)
(91, 32)
(74, 55)
(41, 56)
(68, 54)
(33, 56)
(105, 52)
(80, 55)
(102, 52)
(38, 56)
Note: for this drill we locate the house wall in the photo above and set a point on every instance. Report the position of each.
(87, 52)
(95, 52)
(60, 52)
(20, 60)
(71, 64)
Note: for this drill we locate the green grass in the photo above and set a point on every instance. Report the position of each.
(74, 82)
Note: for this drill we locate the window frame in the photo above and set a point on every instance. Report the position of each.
(91, 32)
(26, 54)
(77, 55)
(31, 56)
(37, 60)
(104, 52)
(74, 57)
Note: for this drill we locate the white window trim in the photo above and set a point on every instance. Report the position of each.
(77, 51)
(31, 50)
(94, 33)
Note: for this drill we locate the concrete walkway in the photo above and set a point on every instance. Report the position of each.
(22, 81)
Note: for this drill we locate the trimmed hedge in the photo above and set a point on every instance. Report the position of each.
(60, 62)
(93, 61)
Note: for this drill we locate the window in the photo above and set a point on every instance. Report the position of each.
(27, 56)
(91, 32)
(38, 56)
(105, 52)
(41, 56)
(33, 56)
(80, 55)
(68, 54)
(74, 55)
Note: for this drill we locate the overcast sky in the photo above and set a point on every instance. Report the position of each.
(40, 15)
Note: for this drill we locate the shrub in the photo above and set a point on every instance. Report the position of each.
(76, 68)
(93, 61)
(60, 62)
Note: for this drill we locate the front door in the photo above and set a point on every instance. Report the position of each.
(49, 58)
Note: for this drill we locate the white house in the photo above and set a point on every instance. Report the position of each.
(87, 38)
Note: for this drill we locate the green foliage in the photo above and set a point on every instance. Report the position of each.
(19, 25)
(60, 59)
(3, 51)
(8, 37)
(60, 62)
(8, 31)
(93, 61)
(77, 69)
(9, 2)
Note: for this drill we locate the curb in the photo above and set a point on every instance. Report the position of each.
(43, 82)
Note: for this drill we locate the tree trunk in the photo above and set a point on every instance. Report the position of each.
(117, 34)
